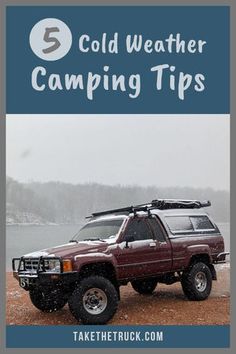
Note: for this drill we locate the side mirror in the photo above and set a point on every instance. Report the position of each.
(127, 239)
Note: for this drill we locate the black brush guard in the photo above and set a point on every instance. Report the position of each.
(41, 268)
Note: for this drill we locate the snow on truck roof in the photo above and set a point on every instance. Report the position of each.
(179, 212)
(108, 217)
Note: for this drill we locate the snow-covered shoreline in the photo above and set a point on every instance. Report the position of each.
(32, 224)
(40, 224)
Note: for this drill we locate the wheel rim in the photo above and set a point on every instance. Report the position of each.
(200, 281)
(94, 301)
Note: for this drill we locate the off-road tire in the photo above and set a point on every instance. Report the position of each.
(47, 300)
(78, 302)
(190, 286)
(144, 286)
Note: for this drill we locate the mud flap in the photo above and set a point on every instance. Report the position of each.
(213, 271)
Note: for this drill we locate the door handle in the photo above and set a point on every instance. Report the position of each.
(152, 244)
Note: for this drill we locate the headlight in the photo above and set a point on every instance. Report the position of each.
(52, 265)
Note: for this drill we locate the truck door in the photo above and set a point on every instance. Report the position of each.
(139, 257)
(163, 249)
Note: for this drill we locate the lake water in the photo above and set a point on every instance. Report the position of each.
(25, 239)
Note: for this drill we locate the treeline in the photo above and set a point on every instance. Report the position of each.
(58, 202)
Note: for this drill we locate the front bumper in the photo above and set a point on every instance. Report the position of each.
(40, 276)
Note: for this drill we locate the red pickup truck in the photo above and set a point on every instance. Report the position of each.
(164, 241)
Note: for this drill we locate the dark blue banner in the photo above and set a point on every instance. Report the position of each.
(118, 336)
(126, 59)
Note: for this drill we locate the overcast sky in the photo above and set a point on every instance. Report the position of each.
(143, 150)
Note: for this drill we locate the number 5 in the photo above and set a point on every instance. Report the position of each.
(49, 39)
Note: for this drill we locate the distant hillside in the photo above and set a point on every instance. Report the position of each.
(56, 202)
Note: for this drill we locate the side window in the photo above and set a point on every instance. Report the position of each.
(139, 229)
(179, 223)
(201, 222)
(157, 230)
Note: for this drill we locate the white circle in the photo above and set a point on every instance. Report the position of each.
(50, 39)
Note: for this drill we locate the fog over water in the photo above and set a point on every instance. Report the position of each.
(170, 150)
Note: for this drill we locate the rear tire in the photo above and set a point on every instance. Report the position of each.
(197, 282)
(94, 301)
(144, 286)
(47, 300)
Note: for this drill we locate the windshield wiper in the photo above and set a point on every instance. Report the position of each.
(73, 241)
(93, 239)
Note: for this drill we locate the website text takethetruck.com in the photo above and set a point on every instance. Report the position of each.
(118, 336)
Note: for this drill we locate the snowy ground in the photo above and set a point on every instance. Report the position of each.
(167, 305)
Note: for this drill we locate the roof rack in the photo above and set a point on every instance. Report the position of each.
(161, 204)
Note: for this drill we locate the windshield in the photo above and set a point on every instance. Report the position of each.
(99, 230)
